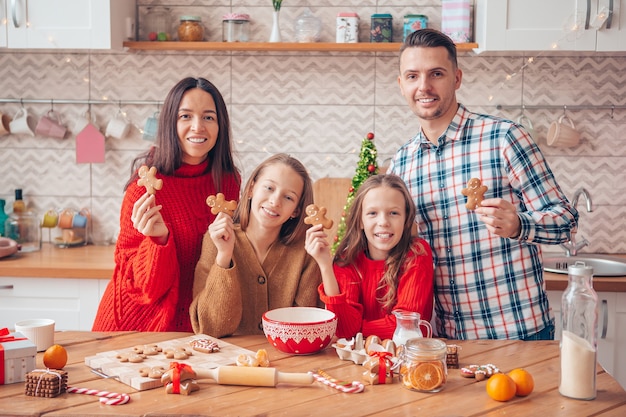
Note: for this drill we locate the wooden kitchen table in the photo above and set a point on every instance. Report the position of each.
(460, 397)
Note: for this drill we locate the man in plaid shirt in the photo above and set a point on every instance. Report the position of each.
(488, 264)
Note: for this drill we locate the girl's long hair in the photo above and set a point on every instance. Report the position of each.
(354, 241)
(293, 229)
(167, 155)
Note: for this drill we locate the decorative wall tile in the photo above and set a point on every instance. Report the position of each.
(314, 106)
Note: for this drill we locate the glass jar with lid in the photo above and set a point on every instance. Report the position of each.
(308, 27)
(190, 29)
(236, 27)
(423, 365)
(157, 24)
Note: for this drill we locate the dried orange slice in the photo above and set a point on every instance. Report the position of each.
(426, 376)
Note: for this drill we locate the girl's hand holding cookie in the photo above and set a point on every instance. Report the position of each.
(147, 219)
(222, 234)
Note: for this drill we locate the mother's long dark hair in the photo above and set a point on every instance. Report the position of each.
(167, 155)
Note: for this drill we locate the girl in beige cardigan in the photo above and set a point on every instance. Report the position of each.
(256, 261)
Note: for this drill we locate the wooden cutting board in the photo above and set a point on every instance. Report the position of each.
(128, 373)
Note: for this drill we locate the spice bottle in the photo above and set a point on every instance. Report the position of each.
(579, 337)
(18, 205)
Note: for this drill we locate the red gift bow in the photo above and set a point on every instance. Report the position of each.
(178, 368)
(3, 339)
(382, 365)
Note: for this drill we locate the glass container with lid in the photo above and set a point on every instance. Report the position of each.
(308, 27)
(423, 365)
(190, 29)
(157, 24)
(236, 27)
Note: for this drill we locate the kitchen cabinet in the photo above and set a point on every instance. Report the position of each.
(66, 24)
(611, 318)
(539, 25)
(72, 303)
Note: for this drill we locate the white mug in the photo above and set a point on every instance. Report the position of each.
(84, 120)
(527, 123)
(118, 127)
(562, 134)
(20, 125)
(38, 331)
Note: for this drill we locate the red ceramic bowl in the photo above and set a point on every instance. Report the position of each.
(299, 330)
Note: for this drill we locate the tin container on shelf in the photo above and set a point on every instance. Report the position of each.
(347, 27)
(236, 27)
(413, 22)
(382, 28)
(190, 29)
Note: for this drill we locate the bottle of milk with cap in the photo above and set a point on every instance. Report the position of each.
(579, 337)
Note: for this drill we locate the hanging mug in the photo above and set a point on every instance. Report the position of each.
(562, 133)
(525, 121)
(50, 126)
(118, 127)
(150, 127)
(4, 124)
(20, 125)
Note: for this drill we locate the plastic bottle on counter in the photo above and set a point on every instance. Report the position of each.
(3, 216)
(579, 335)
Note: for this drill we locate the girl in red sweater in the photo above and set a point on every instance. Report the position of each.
(379, 267)
(161, 235)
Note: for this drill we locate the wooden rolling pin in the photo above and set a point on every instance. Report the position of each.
(252, 376)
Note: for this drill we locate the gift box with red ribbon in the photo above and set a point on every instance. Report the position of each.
(17, 357)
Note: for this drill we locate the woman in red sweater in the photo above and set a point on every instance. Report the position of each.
(379, 267)
(161, 234)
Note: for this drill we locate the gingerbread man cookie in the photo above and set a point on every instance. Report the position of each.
(132, 357)
(156, 372)
(317, 215)
(148, 179)
(475, 193)
(178, 353)
(219, 204)
(149, 350)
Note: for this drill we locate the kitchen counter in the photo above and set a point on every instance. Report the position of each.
(460, 396)
(98, 262)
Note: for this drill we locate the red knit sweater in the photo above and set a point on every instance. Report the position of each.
(357, 308)
(151, 287)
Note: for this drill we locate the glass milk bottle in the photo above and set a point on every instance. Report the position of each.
(579, 337)
(408, 327)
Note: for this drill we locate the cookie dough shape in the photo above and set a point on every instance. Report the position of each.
(475, 193)
(317, 215)
(148, 179)
(219, 204)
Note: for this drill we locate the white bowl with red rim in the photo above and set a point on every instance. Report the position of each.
(299, 330)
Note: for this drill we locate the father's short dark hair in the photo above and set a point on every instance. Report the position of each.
(430, 38)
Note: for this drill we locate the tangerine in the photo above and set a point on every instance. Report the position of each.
(524, 381)
(501, 387)
(55, 357)
(426, 376)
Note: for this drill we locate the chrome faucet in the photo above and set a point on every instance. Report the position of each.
(572, 247)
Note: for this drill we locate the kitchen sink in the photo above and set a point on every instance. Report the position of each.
(603, 265)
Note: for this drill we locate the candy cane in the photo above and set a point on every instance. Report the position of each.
(343, 386)
(106, 397)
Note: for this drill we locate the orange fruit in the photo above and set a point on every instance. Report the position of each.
(501, 387)
(55, 357)
(426, 376)
(524, 381)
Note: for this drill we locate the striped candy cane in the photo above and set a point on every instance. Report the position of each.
(106, 397)
(343, 386)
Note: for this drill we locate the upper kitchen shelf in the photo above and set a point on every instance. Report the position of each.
(276, 46)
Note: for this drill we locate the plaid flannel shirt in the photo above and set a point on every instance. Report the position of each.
(486, 286)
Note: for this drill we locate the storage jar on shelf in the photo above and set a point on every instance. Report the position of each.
(236, 27)
(190, 29)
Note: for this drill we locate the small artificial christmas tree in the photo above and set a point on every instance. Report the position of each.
(365, 168)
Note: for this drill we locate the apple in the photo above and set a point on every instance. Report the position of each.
(152, 36)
